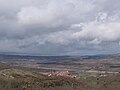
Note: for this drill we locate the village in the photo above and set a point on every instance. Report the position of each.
(59, 74)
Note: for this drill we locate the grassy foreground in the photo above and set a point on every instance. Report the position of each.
(15, 79)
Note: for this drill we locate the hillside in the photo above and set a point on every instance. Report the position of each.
(14, 79)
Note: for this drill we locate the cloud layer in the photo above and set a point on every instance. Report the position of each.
(66, 27)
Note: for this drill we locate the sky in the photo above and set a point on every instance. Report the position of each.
(60, 27)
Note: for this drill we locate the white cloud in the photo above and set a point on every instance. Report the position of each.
(103, 30)
(56, 13)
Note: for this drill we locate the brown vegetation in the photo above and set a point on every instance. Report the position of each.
(14, 79)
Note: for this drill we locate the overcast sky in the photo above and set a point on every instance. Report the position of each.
(60, 27)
